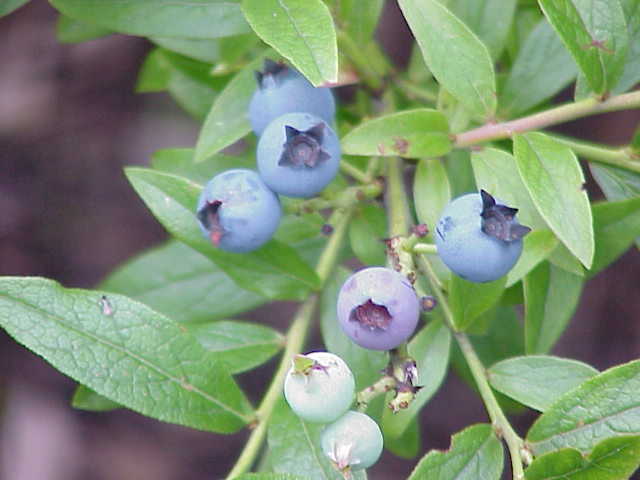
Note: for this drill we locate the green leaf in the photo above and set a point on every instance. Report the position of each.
(494, 171)
(537, 246)
(294, 447)
(561, 257)
(605, 406)
(86, 399)
(275, 270)
(475, 454)
(364, 363)
(366, 233)
(178, 18)
(180, 161)
(360, 18)
(430, 349)
(241, 346)
(456, 57)
(182, 284)
(631, 73)
(488, 19)
(551, 296)
(595, 33)
(431, 191)
(124, 351)
(154, 74)
(543, 65)
(69, 30)
(612, 459)
(469, 300)
(408, 444)
(616, 226)
(269, 476)
(553, 177)
(414, 133)
(537, 380)
(203, 49)
(301, 31)
(228, 119)
(8, 6)
(460, 173)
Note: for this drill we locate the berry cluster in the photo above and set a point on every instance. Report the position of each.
(320, 388)
(298, 154)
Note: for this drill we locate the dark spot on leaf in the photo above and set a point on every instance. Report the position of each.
(401, 145)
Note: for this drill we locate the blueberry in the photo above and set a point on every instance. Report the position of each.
(298, 155)
(378, 308)
(353, 442)
(319, 387)
(478, 238)
(237, 211)
(281, 90)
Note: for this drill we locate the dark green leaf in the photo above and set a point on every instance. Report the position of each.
(69, 30)
(155, 74)
(553, 177)
(631, 73)
(294, 447)
(365, 364)
(366, 233)
(543, 65)
(430, 349)
(460, 173)
(86, 399)
(612, 459)
(275, 270)
(8, 6)
(178, 18)
(408, 444)
(488, 19)
(228, 118)
(410, 134)
(359, 18)
(475, 454)
(537, 246)
(616, 225)
(561, 257)
(595, 33)
(301, 31)
(431, 191)
(469, 300)
(525, 21)
(608, 405)
(182, 284)
(203, 49)
(442, 37)
(551, 296)
(536, 380)
(180, 161)
(124, 351)
(241, 346)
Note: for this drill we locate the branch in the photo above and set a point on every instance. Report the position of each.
(554, 116)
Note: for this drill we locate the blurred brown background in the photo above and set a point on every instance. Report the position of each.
(69, 122)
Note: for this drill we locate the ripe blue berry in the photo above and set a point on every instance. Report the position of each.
(353, 442)
(298, 155)
(478, 239)
(378, 308)
(237, 211)
(319, 387)
(281, 90)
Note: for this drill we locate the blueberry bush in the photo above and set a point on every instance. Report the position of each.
(469, 220)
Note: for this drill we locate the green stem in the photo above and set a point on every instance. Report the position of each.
(354, 172)
(618, 157)
(295, 341)
(547, 118)
(346, 199)
(500, 422)
(413, 91)
(425, 248)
